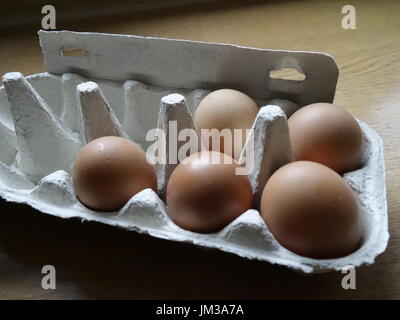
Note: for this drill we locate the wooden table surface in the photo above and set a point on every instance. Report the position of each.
(97, 261)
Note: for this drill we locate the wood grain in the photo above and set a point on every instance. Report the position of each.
(97, 261)
(28, 12)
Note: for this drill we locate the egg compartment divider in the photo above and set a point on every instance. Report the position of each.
(125, 85)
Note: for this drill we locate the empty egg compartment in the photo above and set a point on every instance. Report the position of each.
(46, 118)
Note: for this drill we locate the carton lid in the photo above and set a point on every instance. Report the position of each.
(190, 64)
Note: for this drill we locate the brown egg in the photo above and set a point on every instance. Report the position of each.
(328, 134)
(311, 211)
(108, 171)
(226, 109)
(205, 196)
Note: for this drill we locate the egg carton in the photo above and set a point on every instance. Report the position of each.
(125, 85)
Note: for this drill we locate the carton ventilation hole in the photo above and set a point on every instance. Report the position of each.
(74, 52)
(287, 74)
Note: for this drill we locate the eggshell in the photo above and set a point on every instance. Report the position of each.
(327, 134)
(226, 109)
(311, 211)
(108, 171)
(204, 193)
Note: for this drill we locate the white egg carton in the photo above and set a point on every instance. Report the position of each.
(125, 85)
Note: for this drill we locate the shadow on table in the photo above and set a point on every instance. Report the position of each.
(108, 263)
